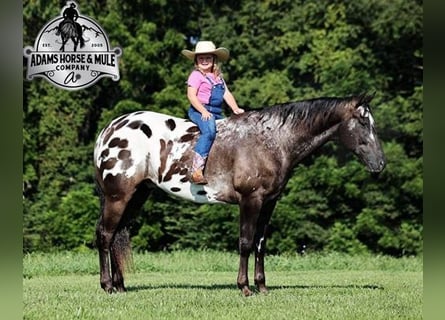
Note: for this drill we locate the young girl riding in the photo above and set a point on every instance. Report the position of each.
(206, 91)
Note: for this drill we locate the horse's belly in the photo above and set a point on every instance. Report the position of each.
(189, 191)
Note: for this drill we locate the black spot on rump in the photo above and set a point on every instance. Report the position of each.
(107, 165)
(163, 154)
(108, 133)
(121, 124)
(120, 119)
(123, 143)
(175, 189)
(171, 124)
(105, 153)
(193, 129)
(186, 137)
(113, 143)
(117, 142)
(174, 169)
(135, 124)
(140, 125)
(146, 130)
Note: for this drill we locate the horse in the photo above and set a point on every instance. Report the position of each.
(69, 29)
(249, 165)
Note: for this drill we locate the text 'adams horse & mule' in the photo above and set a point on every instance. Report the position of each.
(249, 165)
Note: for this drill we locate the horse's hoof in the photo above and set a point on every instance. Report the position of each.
(246, 292)
(107, 288)
(121, 289)
(263, 289)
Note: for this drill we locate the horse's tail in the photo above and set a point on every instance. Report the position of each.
(121, 245)
(121, 249)
(79, 29)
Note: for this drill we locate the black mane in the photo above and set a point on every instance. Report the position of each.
(311, 111)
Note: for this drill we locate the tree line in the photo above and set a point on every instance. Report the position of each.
(281, 50)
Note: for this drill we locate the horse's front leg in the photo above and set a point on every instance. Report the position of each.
(260, 244)
(249, 211)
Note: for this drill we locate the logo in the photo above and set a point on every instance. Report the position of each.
(72, 52)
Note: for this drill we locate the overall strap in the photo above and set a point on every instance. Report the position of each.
(213, 83)
(210, 80)
(216, 96)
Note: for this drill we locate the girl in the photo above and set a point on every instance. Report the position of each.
(206, 91)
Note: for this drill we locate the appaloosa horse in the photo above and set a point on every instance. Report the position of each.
(250, 163)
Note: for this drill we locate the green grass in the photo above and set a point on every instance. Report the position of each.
(202, 285)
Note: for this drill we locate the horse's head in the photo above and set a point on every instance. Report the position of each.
(358, 134)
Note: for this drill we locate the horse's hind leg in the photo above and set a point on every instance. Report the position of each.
(62, 48)
(75, 41)
(109, 220)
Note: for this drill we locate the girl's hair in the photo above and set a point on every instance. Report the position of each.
(216, 68)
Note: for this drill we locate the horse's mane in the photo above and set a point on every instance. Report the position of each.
(311, 112)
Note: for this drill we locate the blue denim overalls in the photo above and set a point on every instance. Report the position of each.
(208, 127)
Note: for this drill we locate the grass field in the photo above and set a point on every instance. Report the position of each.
(202, 285)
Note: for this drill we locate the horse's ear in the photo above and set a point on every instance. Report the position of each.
(365, 98)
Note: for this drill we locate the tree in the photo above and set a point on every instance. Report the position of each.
(317, 48)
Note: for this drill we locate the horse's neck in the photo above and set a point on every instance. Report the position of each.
(305, 139)
(309, 145)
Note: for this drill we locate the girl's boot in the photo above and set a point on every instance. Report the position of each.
(197, 176)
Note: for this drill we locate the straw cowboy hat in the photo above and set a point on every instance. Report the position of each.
(203, 47)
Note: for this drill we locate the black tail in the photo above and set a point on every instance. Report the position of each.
(100, 194)
(121, 245)
(121, 249)
(79, 30)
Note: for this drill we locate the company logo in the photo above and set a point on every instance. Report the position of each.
(72, 52)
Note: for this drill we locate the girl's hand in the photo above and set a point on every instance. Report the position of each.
(238, 111)
(206, 115)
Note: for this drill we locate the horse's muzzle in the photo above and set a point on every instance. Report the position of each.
(375, 171)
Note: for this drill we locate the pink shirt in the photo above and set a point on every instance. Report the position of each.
(199, 81)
